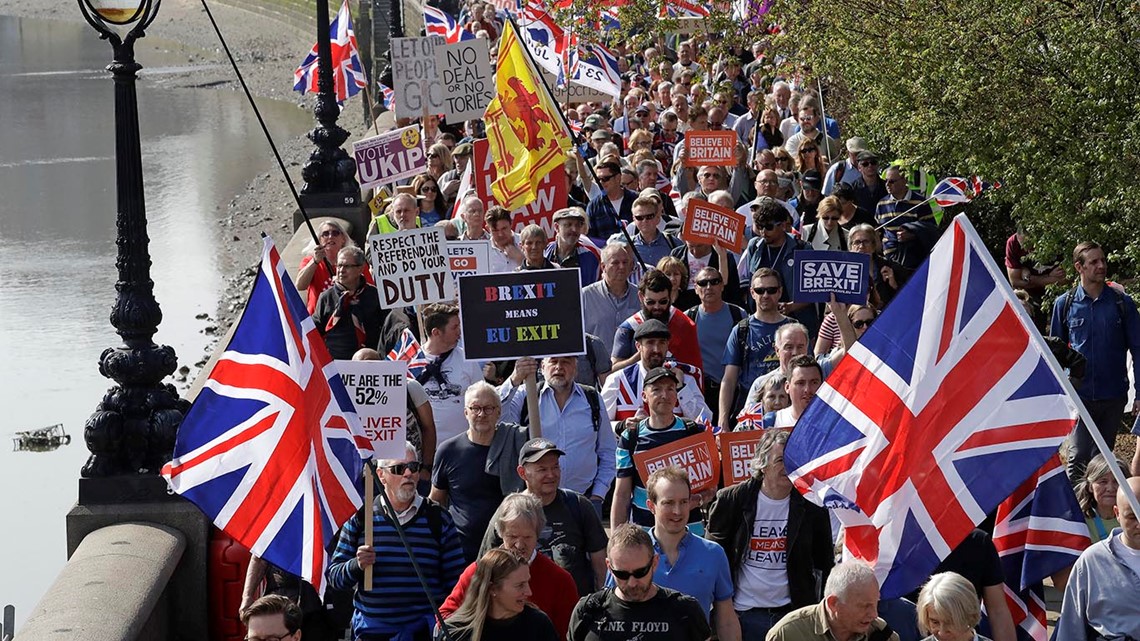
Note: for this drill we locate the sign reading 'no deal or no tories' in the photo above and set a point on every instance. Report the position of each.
(465, 74)
(819, 274)
(389, 157)
(531, 313)
(695, 454)
(377, 391)
(411, 268)
(414, 76)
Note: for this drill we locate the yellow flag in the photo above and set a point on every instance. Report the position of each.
(528, 140)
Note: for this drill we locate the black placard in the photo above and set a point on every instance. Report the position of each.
(529, 313)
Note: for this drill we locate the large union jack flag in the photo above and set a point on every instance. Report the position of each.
(348, 72)
(934, 417)
(272, 448)
(1039, 530)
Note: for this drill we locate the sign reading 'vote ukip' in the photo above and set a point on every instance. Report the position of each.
(389, 157)
(532, 313)
(821, 274)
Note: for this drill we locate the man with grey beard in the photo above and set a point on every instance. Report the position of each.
(390, 609)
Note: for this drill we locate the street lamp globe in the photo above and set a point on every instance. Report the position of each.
(119, 16)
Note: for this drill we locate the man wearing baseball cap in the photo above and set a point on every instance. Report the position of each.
(573, 536)
(845, 171)
(569, 250)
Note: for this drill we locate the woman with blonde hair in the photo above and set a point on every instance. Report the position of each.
(439, 160)
(678, 273)
(495, 607)
(1096, 493)
(948, 609)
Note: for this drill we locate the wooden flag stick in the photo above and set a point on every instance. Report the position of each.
(532, 406)
(369, 505)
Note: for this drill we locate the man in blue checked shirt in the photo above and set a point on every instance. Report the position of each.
(1102, 324)
(572, 418)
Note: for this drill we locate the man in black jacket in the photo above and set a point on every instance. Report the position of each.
(779, 545)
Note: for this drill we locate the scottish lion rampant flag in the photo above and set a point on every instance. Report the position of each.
(940, 411)
(272, 448)
(1039, 530)
(348, 73)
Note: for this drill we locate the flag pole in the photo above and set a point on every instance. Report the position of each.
(1058, 371)
(569, 134)
(823, 117)
(897, 216)
(369, 500)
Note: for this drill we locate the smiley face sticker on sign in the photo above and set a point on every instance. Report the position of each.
(410, 138)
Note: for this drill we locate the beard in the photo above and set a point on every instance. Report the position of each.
(662, 315)
(405, 493)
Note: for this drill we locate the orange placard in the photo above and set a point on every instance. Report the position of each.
(696, 453)
(710, 148)
(709, 224)
(736, 451)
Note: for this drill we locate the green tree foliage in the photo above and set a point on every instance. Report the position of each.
(1039, 95)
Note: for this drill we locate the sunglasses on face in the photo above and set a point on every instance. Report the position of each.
(432, 154)
(605, 178)
(625, 575)
(709, 282)
(868, 163)
(399, 468)
(428, 188)
(860, 324)
(330, 233)
(645, 217)
(770, 291)
(768, 226)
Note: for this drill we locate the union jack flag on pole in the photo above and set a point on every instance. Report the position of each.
(1039, 530)
(940, 411)
(272, 448)
(348, 72)
(440, 23)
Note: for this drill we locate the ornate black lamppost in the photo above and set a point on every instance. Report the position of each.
(330, 173)
(133, 429)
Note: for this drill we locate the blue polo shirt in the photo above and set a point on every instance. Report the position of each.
(1103, 332)
(701, 570)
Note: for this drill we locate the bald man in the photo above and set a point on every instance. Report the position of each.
(1101, 596)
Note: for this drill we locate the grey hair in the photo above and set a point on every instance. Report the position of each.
(408, 449)
(847, 576)
(519, 506)
(336, 224)
(481, 387)
(783, 330)
(722, 197)
(1096, 468)
(763, 456)
(533, 231)
(612, 248)
(355, 252)
(952, 598)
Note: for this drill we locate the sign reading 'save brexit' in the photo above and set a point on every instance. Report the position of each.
(531, 313)
(411, 267)
(820, 274)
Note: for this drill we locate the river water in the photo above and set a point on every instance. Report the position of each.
(57, 251)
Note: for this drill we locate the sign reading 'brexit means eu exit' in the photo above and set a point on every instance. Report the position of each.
(819, 274)
(531, 313)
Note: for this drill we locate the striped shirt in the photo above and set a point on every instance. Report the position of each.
(396, 600)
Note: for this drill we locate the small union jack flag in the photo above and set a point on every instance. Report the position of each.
(751, 417)
(939, 412)
(387, 96)
(980, 185)
(271, 449)
(348, 72)
(951, 191)
(439, 23)
(408, 349)
(1039, 530)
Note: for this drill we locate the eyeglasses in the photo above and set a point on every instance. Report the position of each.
(625, 575)
(272, 638)
(868, 163)
(828, 218)
(769, 291)
(399, 468)
(432, 154)
(349, 265)
(768, 182)
(428, 188)
(768, 226)
(860, 324)
(713, 123)
(483, 409)
(605, 178)
(892, 181)
(859, 242)
(709, 282)
(809, 151)
(330, 233)
(645, 217)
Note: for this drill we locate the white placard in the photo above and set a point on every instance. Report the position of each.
(467, 79)
(377, 389)
(414, 77)
(411, 267)
(468, 258)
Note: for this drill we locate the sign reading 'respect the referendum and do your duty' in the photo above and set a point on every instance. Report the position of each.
(411, 268)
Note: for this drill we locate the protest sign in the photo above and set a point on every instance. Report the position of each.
(736, 451)
(819, 274)
(465, 74)
(414, 77)
(468, 258)
(411, 267)
(389, 157)
(529, 313)
(709, 224)
(377, 391)
(379, 199)
(552, 193)
(710, 148)
(696, 454)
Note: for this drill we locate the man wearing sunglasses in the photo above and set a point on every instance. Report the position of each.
(714, 319)
(612, 208)
(774, 247)
(636, 608)
(390, 608)
(869, 186)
